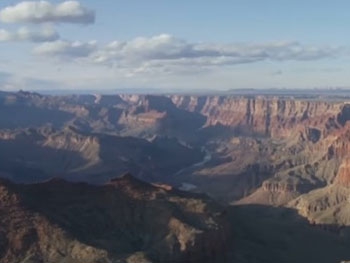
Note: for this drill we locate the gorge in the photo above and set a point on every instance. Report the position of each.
(281, 157)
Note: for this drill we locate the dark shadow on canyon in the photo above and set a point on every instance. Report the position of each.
(278, 234)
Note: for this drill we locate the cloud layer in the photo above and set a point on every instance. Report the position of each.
(25, 34)
(37, 12)
(169, 48)
(65, 49)
(161, 60)
(165, 53)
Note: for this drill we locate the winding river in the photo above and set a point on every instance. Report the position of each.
(187, 186)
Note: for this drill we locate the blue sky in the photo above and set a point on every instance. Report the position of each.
(174, 45)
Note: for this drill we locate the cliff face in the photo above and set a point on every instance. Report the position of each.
(272, 116)
(281, 146)
(275, 117)
(159, 115)
(59, 221)
(343, 176)
(304, 142)
(325, 206)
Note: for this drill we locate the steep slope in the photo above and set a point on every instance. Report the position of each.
(59, 221)
(279, 148)
(264, 234)
(329, 205)
(34, 154)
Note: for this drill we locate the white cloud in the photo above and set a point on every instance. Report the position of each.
(166, 54)
(168, 49)
(166, 62)
(65, 49)
(43, 11)
(24, 34)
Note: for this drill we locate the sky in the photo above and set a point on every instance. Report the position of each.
(174, 45)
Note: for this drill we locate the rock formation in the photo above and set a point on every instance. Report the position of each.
(57, 221)
(249, 151)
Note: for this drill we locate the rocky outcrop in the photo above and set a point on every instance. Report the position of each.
(343, 176)
(325, 206)
(279, 187)
(59, 221)
(28, 236)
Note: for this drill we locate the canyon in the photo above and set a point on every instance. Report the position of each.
(222, 160)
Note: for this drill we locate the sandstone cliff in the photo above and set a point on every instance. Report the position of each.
(272, 116)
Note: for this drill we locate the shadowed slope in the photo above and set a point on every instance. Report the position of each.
(77, 222)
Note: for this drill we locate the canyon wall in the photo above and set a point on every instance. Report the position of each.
(272, 116)
(302, 141)
(306, 142)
